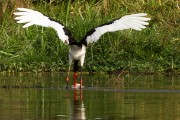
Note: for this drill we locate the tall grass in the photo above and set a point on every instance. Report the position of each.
(156, 48)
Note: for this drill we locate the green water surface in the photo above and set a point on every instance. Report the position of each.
(135, 97)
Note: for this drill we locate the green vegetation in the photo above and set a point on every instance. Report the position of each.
(155, 49)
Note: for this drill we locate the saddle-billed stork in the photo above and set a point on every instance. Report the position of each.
(78, 49)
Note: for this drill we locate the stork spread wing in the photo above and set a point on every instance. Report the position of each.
(133, 21)
(31, 17)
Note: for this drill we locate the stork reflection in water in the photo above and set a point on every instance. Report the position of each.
(76, 105)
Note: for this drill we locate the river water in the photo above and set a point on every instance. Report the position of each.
(27, 96)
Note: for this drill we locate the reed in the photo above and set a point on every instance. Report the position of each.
(155, 49)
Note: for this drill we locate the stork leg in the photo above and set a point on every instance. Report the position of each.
(75, 72)
(67, 78)
(81, 63)
(81, 81)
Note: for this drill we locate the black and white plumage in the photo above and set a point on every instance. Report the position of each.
(78, 49)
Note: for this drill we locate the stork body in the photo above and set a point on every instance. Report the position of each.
(77, 50)
(76, 54)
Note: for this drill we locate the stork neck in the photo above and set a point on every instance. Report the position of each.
(76, 67)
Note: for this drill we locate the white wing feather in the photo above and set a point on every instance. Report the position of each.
(31, 17)
(133, 21)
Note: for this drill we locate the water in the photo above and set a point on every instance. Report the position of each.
(132, 97)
